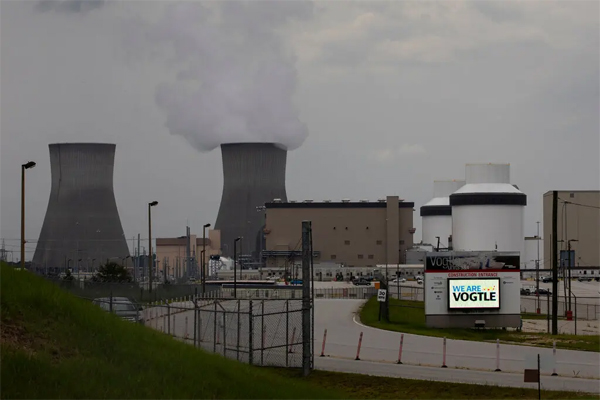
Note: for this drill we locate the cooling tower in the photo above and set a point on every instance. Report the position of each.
(487, 212)
(253, 174)
(437, 213)
(82, 220)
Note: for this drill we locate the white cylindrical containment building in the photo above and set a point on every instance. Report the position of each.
(487, 212)
(437, 213)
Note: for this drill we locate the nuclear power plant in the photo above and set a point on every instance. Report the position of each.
(253, 174)
(82, 225)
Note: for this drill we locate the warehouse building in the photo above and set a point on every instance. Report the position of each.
(355, 234)
(578, 228)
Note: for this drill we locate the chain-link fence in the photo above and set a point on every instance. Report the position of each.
(258, 332)
(133, 291)
(585, 308)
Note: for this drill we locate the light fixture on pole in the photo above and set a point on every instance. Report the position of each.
(25, 166)
(235, 266)
(203, 263)
(150, 258)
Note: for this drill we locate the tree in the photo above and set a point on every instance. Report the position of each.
(69, 276)
(112, 272)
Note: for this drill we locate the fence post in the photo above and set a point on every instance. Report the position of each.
(239, 311)
(444, 355)
(187, 334)
(169, 318)
(251, 334)
(199, 311)
(262, 333)
(359, 344)
(195, 317)
(110, 307)
(498, 355)
(554, 357)
(287, 331)
(224, 333)
(575, 316)
(174, 326)
(323, 347)
(164, 324)
(215, 329)
(400, 351)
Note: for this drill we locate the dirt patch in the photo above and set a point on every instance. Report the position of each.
(14, 333)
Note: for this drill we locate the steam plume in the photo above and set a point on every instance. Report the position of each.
(235, 80)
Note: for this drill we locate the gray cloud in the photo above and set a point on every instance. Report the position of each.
(235, 78)
(69, 6)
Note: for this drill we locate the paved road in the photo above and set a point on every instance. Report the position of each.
(337, 316)
(454, 375)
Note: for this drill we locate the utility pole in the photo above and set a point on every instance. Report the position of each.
(150, 256)
(537, 270)
(24, 167)
(554, 262)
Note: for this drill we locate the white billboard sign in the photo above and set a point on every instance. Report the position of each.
(473, 294)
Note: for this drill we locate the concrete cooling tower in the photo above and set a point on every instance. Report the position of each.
(82, 221)
(437, 213)
(253, 174)
(487, 212)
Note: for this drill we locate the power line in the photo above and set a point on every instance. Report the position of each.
(579, 204)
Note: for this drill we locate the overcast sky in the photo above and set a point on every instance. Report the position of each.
(378, 98)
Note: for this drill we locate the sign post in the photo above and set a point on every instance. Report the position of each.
(381, 297)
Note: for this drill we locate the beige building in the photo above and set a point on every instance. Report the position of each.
(578, 222)
(356, 234)
(172, 253)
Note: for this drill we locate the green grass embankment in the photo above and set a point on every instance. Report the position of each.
(55, 345)
(409, 317)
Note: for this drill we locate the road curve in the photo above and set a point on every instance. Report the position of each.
(422, 356)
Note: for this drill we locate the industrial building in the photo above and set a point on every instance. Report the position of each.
(488, 211)
(437, 214)
(180, 257)
(82, 228)
(578, 218)
(355, 234)
(253, 174)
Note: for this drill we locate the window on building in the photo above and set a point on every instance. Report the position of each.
(347, 242)
(402, 242)
(371, 256)
(333, 256)
(360, 256)
(380, 242)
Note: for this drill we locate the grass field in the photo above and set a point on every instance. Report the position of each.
(409, 317)
(55, 345)
(378, 387)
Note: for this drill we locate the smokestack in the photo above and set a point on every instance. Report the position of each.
(82, 220)
(253, 174)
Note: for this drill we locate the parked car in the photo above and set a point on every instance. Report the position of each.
(525, 292)
(543, 292)
(361, 282)
(398, 280)
(584, 279)
(122, 307)
(547, 279)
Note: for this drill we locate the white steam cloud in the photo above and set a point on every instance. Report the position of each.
(235, 77)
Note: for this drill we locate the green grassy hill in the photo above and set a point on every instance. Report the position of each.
(56, 345)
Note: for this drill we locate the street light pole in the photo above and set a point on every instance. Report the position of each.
(537, 270)
(235, 266)
(203, 263)
(25, 166)
(150, 258)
